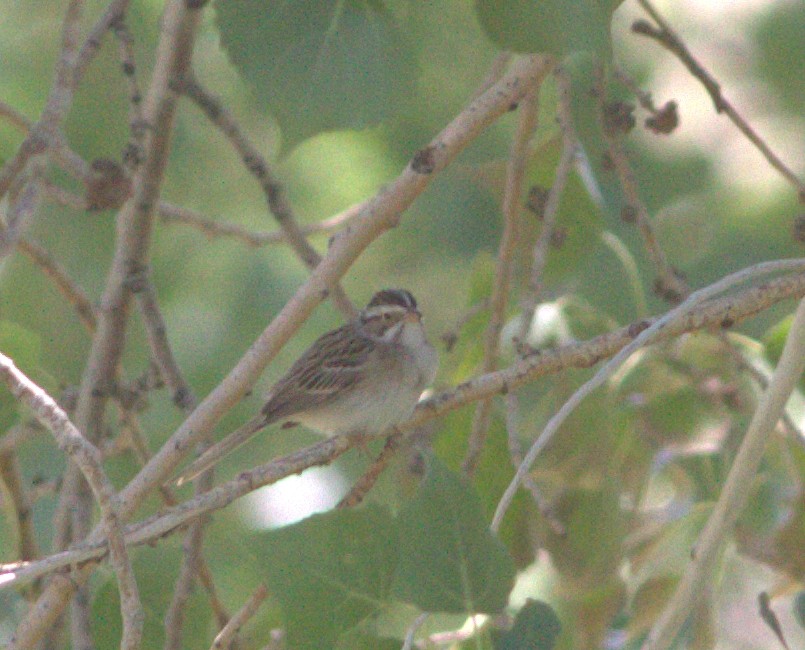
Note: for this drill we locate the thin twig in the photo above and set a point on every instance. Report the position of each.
(170, 213)
(133, 153)
(257, 165)
(370, 476)
(649, 335)
(736, 489)
(723, 311)
(551, 210)
(74, 294)
(114, 12)
(499, 300)
(666, 37)
(31, 154)
(669, 283)
(410, 634)
(516, 454)
(87, 457)
(224, 639)
(18, 506)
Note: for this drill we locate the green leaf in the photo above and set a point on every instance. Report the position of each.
(536, 627)
(318, 65)
(331, 572)
(549, 26)
(450, 561)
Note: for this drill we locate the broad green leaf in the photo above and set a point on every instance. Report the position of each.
(450, 561)
(318, 65)
(536, 627)
(550, 26)
(331, 572)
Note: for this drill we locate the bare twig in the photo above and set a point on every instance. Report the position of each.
(88, 459)
(669, 283)
(18, 506)
(33, 152)
(74, 294)
(516, 453)
(370, 476)
(170, 213)
(736, 489)
(272, 188)
(223, 641)
(114, 13)
(724, 311)
(649, 335)
(377, 216)
(133, 153)
(498, 301)
(410, 634)
(666, 37)
(551, 210)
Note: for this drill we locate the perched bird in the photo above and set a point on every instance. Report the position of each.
(364, 377)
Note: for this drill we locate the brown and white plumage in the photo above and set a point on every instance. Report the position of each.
(365, 376)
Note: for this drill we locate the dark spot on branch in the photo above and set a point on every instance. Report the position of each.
(619, 117)
(536, 200)
(727, 322)
(799, 228)
(636, 328)
(628, 214)
(424, 160)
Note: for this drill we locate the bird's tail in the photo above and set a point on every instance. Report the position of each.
(220, 449)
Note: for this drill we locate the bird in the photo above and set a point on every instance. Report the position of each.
(363, 377)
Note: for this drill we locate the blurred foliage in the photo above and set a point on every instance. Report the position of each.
(631, 476)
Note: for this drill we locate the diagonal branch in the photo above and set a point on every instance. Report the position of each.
(736, 488)
(648, 335)
(666, 37)
(87, 457)
(272, 188)
(719, 312)
(376, 217)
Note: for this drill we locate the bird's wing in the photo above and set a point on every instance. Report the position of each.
(329, 367)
